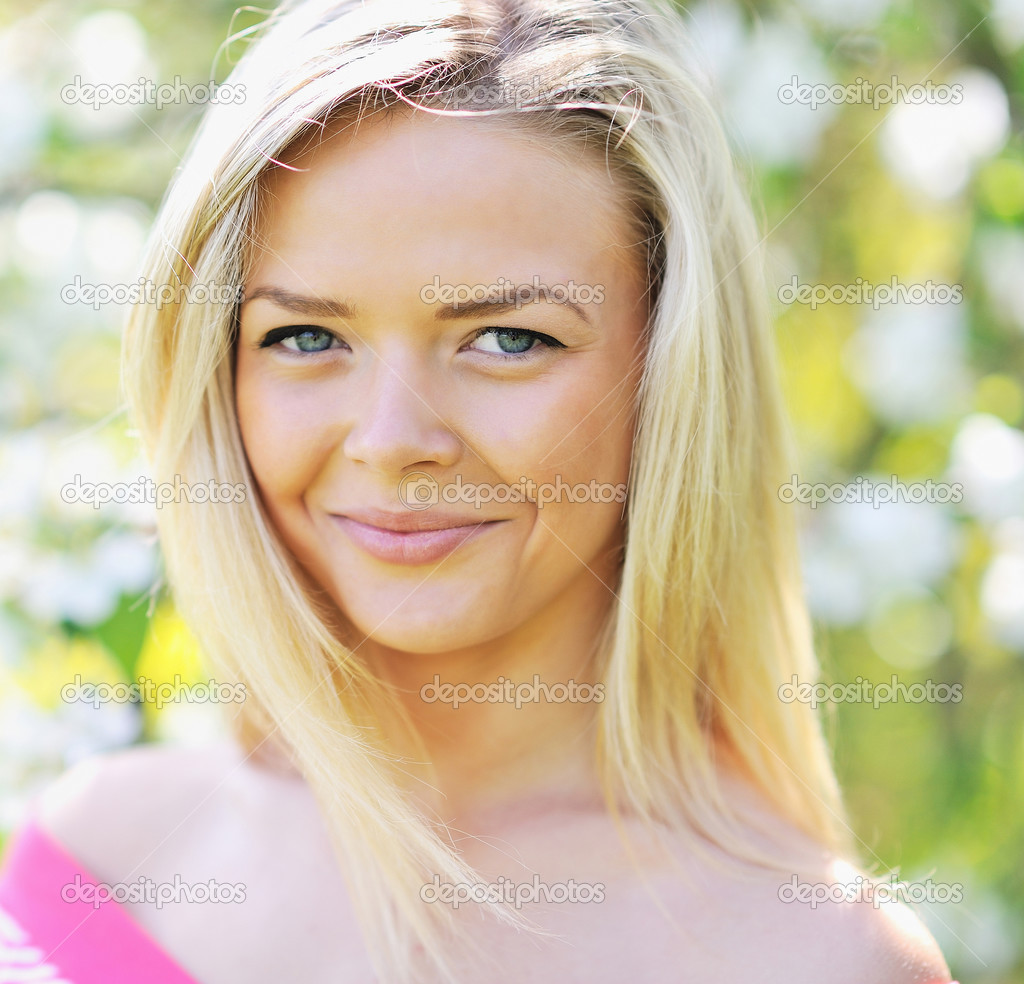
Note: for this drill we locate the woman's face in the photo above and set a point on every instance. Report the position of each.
(366, 393)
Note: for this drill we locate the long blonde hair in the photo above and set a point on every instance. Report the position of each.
(709, 617)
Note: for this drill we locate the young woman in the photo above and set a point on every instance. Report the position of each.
(513, 592)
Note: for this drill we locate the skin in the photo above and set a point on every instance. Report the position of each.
(402, 391)
(335, 431)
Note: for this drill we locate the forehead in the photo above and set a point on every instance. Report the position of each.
(411, 180)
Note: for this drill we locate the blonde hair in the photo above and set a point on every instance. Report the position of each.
(709, 617)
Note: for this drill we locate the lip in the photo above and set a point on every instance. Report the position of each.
(411, 522)
(404, 538)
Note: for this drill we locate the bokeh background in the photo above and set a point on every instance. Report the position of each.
(924, 591)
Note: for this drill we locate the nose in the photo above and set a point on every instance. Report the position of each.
(397, 422)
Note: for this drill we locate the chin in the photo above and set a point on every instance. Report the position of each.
(417, 626)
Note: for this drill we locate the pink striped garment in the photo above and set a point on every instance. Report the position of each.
(47, 940)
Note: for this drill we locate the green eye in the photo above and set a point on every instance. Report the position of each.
(301, 338)
(309, 341)
(512, 341)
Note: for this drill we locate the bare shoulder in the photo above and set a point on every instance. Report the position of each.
(185, 818)
(743, 923)
(818, 922)
(114, 812)
(853, 937)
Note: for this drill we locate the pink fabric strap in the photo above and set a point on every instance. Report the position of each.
(47, 940)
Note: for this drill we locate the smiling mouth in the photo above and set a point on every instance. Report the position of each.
(411, 522)
(411, 539)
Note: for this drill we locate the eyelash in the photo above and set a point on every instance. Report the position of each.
(546, 340)
(278, 335)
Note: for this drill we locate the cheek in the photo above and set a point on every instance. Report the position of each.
(575, 420)
(587, 432)
(282, 434)
(576, 433)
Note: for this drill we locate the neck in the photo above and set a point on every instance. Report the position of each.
(513, 720)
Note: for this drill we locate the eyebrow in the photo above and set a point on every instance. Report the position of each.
(326, 307)
(319, 307)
